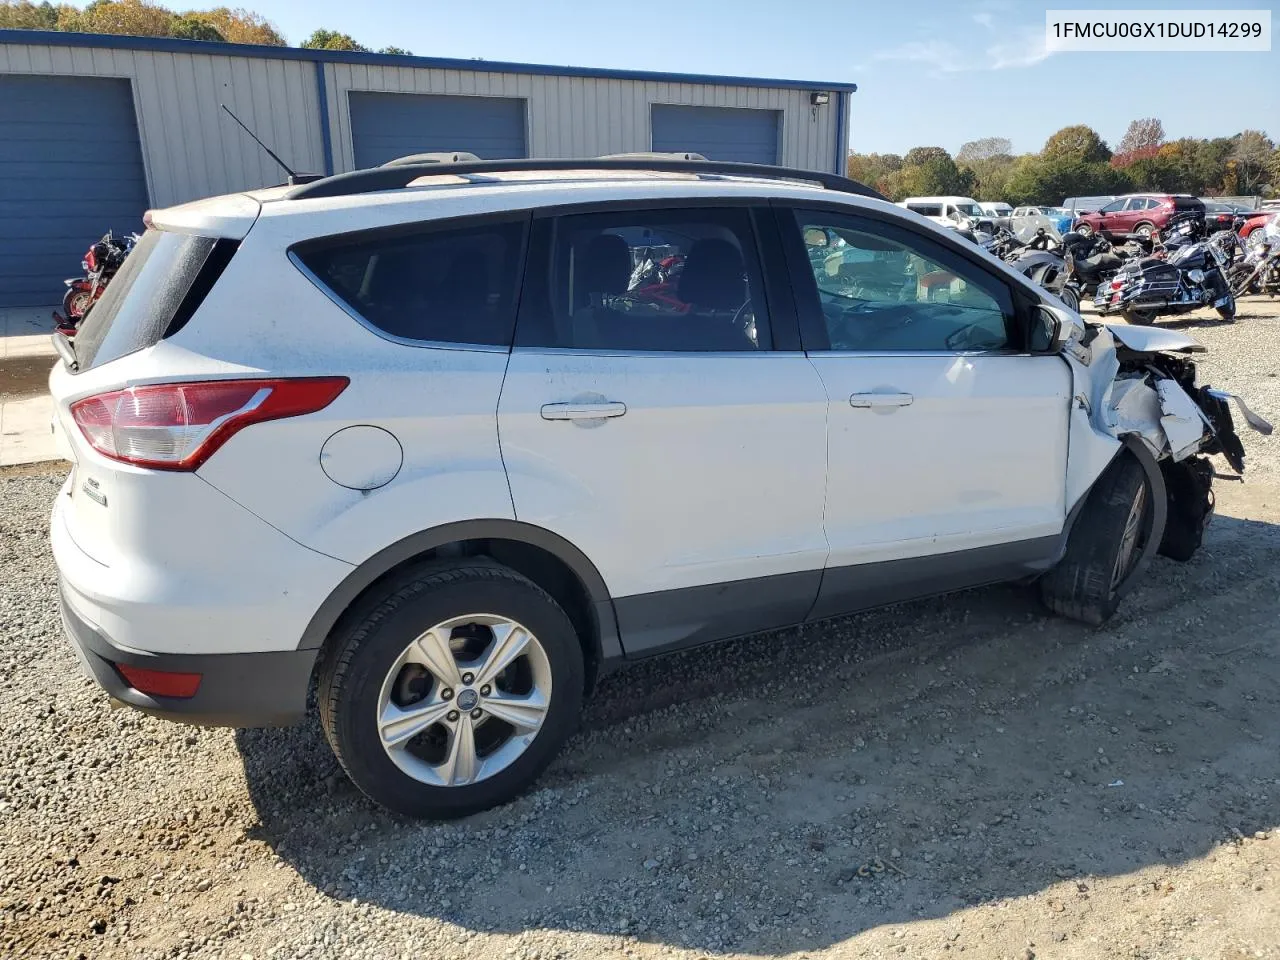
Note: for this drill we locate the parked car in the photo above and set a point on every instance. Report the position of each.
(1079, 205)
(1223, 216)
(1257, 221)
(1140, 215)
(999, 213)
(482, 472)
(951, 212)
(1059, 218)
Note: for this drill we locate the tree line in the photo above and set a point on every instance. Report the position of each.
(141, 18)
(1077, 162)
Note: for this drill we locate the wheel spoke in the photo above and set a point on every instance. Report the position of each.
(509, 642)
(524, 712)
(398, 725)
(461, 764)
(433, 652)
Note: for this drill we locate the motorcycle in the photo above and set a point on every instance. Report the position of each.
(1185, 276)
(1257, 272)
(1089, 262)
(100, 264)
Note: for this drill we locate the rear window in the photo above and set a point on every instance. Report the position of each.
(454, 283)
(157, 288)
(1187, 203)
(926, 209)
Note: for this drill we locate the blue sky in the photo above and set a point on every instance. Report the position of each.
(929, 72)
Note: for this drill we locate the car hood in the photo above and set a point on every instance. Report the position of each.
(1153, 339)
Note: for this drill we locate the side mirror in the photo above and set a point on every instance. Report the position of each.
(1050, 327)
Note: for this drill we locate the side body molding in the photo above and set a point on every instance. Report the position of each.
(387, 559)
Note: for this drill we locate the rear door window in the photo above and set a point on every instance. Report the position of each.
(453, 282)
(926, 209)
(157, 288)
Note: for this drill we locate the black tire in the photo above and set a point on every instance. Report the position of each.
(75, 304)
(355, 666)
(1139, 318)
(1228, 310)
(1084, 229)
(1071, 298)
(1084, 585)
(1146, 230)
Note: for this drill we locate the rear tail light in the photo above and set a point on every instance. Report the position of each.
(160, 683)
(178, 426)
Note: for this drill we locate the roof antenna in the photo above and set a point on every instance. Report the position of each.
(294, 178)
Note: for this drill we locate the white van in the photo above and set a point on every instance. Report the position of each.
(950, 211)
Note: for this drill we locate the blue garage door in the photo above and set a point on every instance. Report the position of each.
(70, 169)
(718, 133)
(389, 125)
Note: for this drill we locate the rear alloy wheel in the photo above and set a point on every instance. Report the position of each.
(1145, 230)
(454, 693)
(1084, 230)
(1107, 546)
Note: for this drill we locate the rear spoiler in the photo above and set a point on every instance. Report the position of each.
(228, 217)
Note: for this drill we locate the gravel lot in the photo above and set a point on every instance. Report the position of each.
(1011, 785)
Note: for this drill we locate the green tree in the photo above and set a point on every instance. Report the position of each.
(25, 15)
(193, 28)
(870, 167)
(1077, 144)
(396, 51)
(1050, 179)
(332, 40)
(1250, 161)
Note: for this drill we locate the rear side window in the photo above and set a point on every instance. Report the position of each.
(926, 209)
(156, 290)
(455, 283)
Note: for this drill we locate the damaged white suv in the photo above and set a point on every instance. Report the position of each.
(451, 440)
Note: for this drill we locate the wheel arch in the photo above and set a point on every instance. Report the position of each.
(544, 557)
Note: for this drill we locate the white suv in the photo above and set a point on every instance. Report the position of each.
(452, 440)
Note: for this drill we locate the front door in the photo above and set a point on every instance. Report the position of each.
(947, 441)
(658, 414)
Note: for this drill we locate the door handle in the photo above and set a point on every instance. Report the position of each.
(863, 400)
(582, 411)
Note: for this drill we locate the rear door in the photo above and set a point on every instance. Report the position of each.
(658, 414)
(947, 442)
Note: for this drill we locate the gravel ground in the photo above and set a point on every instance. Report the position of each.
(960, 775)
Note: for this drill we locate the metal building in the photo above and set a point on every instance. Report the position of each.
(94, 129)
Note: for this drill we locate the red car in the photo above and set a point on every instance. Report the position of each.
(1143, 214)
(1257, 221)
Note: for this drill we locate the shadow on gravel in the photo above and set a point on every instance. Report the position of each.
(724, 799)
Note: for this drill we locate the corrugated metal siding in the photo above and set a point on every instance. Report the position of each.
(585, 116)
(190, 147)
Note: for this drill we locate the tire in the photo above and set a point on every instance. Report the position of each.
(76, 303)
(364, 667)
(1084, 229)
(1228, 311)
(1139, 318)
(1089, 580)
(1145, 230)
(1071, 298)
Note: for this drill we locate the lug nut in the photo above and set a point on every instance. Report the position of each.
(476, 713)
(446, 694)
(452, 716)
(485, 690)
(467, 677)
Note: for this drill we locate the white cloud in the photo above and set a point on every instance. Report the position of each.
(985, 19)
(1022, 49)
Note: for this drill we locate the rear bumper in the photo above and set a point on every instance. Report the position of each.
(236, 689)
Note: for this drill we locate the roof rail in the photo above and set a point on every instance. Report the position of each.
(438, 157)
(402, 174)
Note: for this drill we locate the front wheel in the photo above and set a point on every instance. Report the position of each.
(454, 692)
(1084, 230)
(1071, 297)
(1228, 310)
(1106, 548)
(1139, 318)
